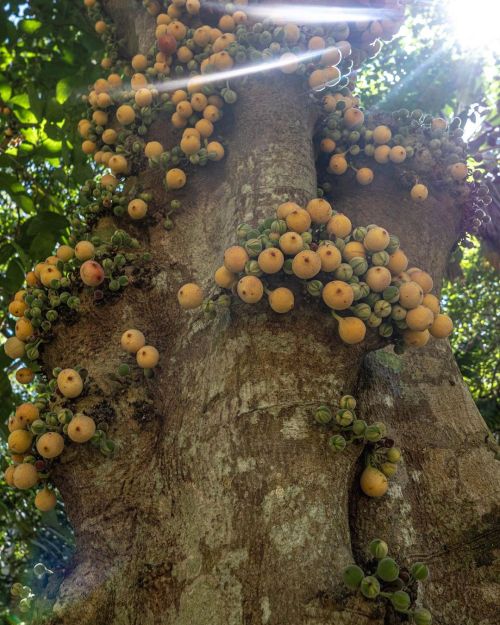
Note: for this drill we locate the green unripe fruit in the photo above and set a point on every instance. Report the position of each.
(123, 370)
(306, 237)
(242, 230)
(38, 427)
(391, 294)
(388, 468)
(337, 443)
(402, 325)
(373, 321)
(359, 265)
(64, 416)
(343, 272)
(353, 576)
(371, 298)
(279, 226)
(323, 415)
(287, 266)
(373, 433)
(401, 601)
(386, 330)
(24, 605)
(421, 616)
(224, 301)
(382, 309)
(314, 288)
(359, 427)
(420, 571)
(339, 244)
(252, 268)
(359, 233)
(253, 247)
(344, 417)
(387, 570)
(357, 291)
(378, 548)
(370, 587)
(365, 291)
(393, 454)
(16, 589)
(380, 259)
(347, 401)
(398, 313)
(393, 240)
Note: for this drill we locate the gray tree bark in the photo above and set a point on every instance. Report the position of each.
(223, 504)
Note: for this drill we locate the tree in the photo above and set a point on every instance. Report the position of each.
(221, 481)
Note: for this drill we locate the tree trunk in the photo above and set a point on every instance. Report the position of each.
(223, 504)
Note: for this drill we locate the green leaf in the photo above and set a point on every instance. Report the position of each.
(22, 100)
(5, 88)
(63, 90)
(14, 276)
(30, 26)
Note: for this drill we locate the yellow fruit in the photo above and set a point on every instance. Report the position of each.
(419, 318)
(298, 220)
(291, 243)
(147, 357)
(419, 192)
(190, 296)
(327, 145)
(330, 257)
(338, 164)
(271, 260)
(215, 150)
(27, 413)
(432, 302)
(17, 308)
(285, 209)
(125, 114)
(118, 164)
(382, 154)
(31, 279)
(250, 289)
(351, 330)
(339, 225)
(8, 475)
(423, 279)
(70, 383)
(354, 249)
(338, 295)
(25, 476)
(137, 208)
(14, 423)
(306, 264)
(45, 500)
(224, 278)
(281, 300)
(441, 327)
(364, 176)
(132, 340)
(65, 253)
(153, 148)
(415, 338)
(398, 262)
(81, 428)
(19, 296)
(373, 482)
(291, 33)
(382, 134)
(48, 274)
(235, 258)
(319, 210)
(378, 279)
(84, 127)
(411, 295)
(109, 136)
(100, 118)
(175, 178)
(84, 250)
(376, 239)
(50, 445)
(88, 147)
(458, 171)
(139, 62)
(398, 154)
(14, 348)
(438, 123)
(353, 118)
(138, 81)
(108, 180)
(24, 375)
(19, 441)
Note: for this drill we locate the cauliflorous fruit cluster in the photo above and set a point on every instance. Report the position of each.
(359, 274)
(146, 356)
(383, 578)
(380, 455)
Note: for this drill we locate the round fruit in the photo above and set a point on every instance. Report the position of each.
(459, 171)
(125, 114)
(285, 209)
(351, 330)
(338, 295)
(378, 279)
(441, 327)
(376, 239)
(24, 329)
(398, 262)
(190, 296)
(330, 257)
(354, 249)
(432, 302)
(84, 250)
(419, 192)
(65, 253)
(373, 482)
(382, 134)
(8, 475)
(224, 278)
(364, 176)
(421, 616)
(298, 220)
(338, 164)
(45, 500)
(353, 118)
(306, 264)
(339, 225)
(291, 243)
(382, 154)
(378, 548)
(281, 300)
(153, 148)
(411, 294)
(70, 383)
(25, 476)
(250, 289)
(14, 348)
(132, 340)
(419, 318)
(401, 601)
(27, 413)
(50, 445)
(423, 279)
(25, 375)
(20, 441)
(352, 576)
(81, 428)
(398, 154)
(235, 258)
(92, 273)
(414, 338)
(137, 208)
(271, 260)
(387, 570)
(320, 210)
(370, 587)
(48, 274)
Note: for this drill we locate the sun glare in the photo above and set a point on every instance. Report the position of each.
(476, 24)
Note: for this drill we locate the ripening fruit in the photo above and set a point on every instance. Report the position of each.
(351, 330)
(14, 348)
(19, 441)
(423, 279)
(373, 482)
(14, 423)
(50, 445)
(65, 253)
(281, 300)
(271, 260)
(27, 413)
(92, 273)
(306, 264)
(414, 338)
(24, 375)
(411, 294)
(419, 192)
(285, 209)
(338, 164)
(340, 225)
(419, 318)
(354, 249)
(398, 262)
(441, 327)
(175, 178)
(432, 302)
(291, 243)
(84, 250)
(137, 208)
(45, 500)
(25, 476)
(330, 257)
(17, 308)
(382, 154)
(48, 274)
(381, 135)
(215, 150)
(190, 296)
(398, 154)
(108, 180)
(153, 148)
(458, 171)
(81, 428)
(298, 220)
(364, 176)
(24, 329)
(132, 340)
(118, 164)
(376, 239)
(378, 279)
(70, 383)
(320, 210)
(250, 289)
(147, 357)
(235, 258)
(353, 118)
(337, 295)
(224, 278)
(8, 475)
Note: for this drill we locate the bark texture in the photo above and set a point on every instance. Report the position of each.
(223, 505)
